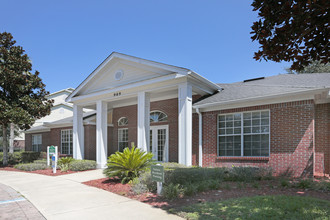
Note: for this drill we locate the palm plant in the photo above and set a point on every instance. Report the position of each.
(128, 164)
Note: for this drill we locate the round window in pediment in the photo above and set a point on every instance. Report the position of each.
(119, 75)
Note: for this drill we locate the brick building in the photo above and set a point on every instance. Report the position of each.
(282, 121)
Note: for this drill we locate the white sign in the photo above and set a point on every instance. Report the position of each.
(52, 152)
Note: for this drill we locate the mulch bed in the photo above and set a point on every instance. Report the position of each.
(265, 188)
(48, 172)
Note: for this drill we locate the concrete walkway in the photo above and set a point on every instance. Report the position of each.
(14, 206)
(64, 197)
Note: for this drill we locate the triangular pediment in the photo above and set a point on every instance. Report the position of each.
(119, 70)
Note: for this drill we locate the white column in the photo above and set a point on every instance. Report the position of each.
(101, 134)
(185, 124)
(143, 131)
(78, 133)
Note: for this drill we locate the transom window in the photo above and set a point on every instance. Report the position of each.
(157, 116)
(36, 142)
(243, 134)
(66, 141)
(123, 121)
(122, 139)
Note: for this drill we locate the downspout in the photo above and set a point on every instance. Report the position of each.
(200, 138)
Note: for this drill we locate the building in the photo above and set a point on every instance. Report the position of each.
(60, 110)
(282, 121)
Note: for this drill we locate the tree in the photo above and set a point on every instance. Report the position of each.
(314, 67)
(292, 30)
(22, 93)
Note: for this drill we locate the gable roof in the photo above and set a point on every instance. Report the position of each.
(169, 68)
(261, 88)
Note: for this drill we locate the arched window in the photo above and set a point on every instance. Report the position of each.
(157, 116)
(122, 121)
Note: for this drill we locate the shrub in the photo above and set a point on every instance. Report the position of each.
(13, 158)
(190, 189)
(64, 162)
(138, 187)
(285, 183)
(42, 161)
(304, 184)
(171, 191)
(128, 164)
(30, 166)
(29, 156)
(81, 165)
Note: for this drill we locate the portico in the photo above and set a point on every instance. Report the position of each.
(123, 80)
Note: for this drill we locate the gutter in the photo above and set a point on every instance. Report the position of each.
(257, 98)
(200, 138)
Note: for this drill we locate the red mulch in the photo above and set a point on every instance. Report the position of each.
(265, 188)
(48, 172)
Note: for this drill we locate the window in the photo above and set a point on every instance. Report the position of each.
(122, 139)
(36, 142)
(66, 141)
(123, 121)
(244, 134)
(157, 116)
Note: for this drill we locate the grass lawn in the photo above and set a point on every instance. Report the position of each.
(259, 207)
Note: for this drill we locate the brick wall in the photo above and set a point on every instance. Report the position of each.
(169, 107)
(322, 139)
(291, 139)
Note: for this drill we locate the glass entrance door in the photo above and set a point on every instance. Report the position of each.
(159, 142)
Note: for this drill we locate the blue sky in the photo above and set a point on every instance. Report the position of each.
(67, 40)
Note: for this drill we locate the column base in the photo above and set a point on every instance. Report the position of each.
(101, 165)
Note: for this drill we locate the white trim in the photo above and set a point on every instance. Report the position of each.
(260, 100)
(155, 140)
(121, 129)
(39, 145)
(70, 143)
(242, 133)
(130, 58)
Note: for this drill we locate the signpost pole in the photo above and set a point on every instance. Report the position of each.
(157, 174)
(48, 162)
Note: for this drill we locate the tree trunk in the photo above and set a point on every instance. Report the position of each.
(5, 145)
(11, 139)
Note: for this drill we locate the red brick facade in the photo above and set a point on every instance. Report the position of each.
(291, 136)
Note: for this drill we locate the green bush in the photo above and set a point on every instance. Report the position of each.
(80, 165)
(128, 164)
(248, 174)
(29, 156)
(138, 187)
(64, 163)
(304, 184)
(41, 161)
(30, 166)
(172, 191)
(13, 159)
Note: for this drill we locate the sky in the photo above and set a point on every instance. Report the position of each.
(67, 39)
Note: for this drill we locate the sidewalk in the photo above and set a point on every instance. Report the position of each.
(14, 206)
(64, 197)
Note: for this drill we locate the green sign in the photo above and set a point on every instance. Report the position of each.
(51, 150)
(157, 173)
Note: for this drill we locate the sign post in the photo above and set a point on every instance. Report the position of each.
(157, 174)
(52, 152)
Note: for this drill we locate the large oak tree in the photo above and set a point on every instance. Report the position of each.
(22, 93)
(292, 30)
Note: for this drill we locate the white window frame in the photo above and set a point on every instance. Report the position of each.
(242, 133)
(120, 130)
(157, 111)
(38, 145)
(70, 142)
(125, 122)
